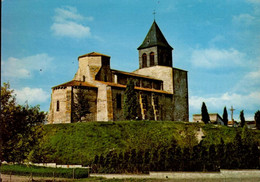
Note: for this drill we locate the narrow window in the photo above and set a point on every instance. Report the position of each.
(152, 59)
(144, 60)
(58, 106)
(118, 101)
(84, 78)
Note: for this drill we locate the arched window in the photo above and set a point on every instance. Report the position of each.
(144, 60)
(58, 105)
(84, 78)
(118, 101)
(152, 59)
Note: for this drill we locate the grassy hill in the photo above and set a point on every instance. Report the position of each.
(78, 143)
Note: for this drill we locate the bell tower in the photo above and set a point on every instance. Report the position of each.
(155, 49)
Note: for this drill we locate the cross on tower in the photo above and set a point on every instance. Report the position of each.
(154, 14)
(232, 110)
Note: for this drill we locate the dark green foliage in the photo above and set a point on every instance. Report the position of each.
(24, 170)
(225, 116)
(131, 102)
(242, 119)
(257, 119)
(80, 104)
(204, 113)
(20, 127)
(237, 155)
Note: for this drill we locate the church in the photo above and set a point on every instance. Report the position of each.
(162, 89)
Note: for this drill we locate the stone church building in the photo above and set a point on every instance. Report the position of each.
(161, 88)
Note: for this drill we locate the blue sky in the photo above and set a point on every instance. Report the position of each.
(217, 42)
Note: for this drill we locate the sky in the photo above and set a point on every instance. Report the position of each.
(216, 41)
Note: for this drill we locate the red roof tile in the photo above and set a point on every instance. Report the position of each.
(137, 88)
(93, 54)
(75, 83)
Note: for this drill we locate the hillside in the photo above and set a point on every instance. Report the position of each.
(78, 143)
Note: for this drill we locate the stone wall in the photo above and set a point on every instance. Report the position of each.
(180, 87)
(63, 114)
(118, 112)
(163, 73)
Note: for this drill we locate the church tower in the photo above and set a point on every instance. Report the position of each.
(155, 49)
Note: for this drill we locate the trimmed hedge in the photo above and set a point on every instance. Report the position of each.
(24, 170)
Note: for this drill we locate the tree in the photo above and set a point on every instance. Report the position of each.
(257, 119)
(131, 104)
(204, 113)
(80, 105)
(225, 116)
(20, 126)
(242, 118)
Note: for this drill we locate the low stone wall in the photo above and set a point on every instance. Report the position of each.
(54, 165)
(223, 174)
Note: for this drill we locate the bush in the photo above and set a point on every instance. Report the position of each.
(24, 170)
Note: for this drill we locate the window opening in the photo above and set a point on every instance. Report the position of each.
(144, 60)
(58, 105)
(118, 101)
(152, 59)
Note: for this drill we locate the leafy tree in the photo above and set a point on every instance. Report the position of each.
(257, 119)
(20, 126)
(204, 113)
(221, 153)
(146, 160)
(186, 159)
(80, 105)
(242, 118)
(133, 160)
(246, 136)
(225, 116)
(212, 166)
(131, 104)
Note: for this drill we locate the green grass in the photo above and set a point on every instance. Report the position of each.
(24, 170)
(78, 143)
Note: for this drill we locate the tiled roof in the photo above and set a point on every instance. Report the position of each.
(154, 38)
(75, 83)
(134, 74)
(137, 88)
(93, 54)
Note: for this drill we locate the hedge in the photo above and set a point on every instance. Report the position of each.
(24, 170)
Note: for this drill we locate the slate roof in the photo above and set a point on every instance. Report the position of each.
(154, 38)
(75, 83)
(93, 54)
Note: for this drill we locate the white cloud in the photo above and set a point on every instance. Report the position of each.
(32, 95)
(243, 19)
(212, 58)
(66, 23)
(24, 67)
(71, 29)
(249, 101)
(254, 1)
(249, 82)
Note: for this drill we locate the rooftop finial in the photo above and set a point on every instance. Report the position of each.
(154, 14)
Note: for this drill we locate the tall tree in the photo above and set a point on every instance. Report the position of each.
(80, 104)
(225, 116)
(242, 118)
(204, 113)
(131, 104)
(19, 127)
(257, 119)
